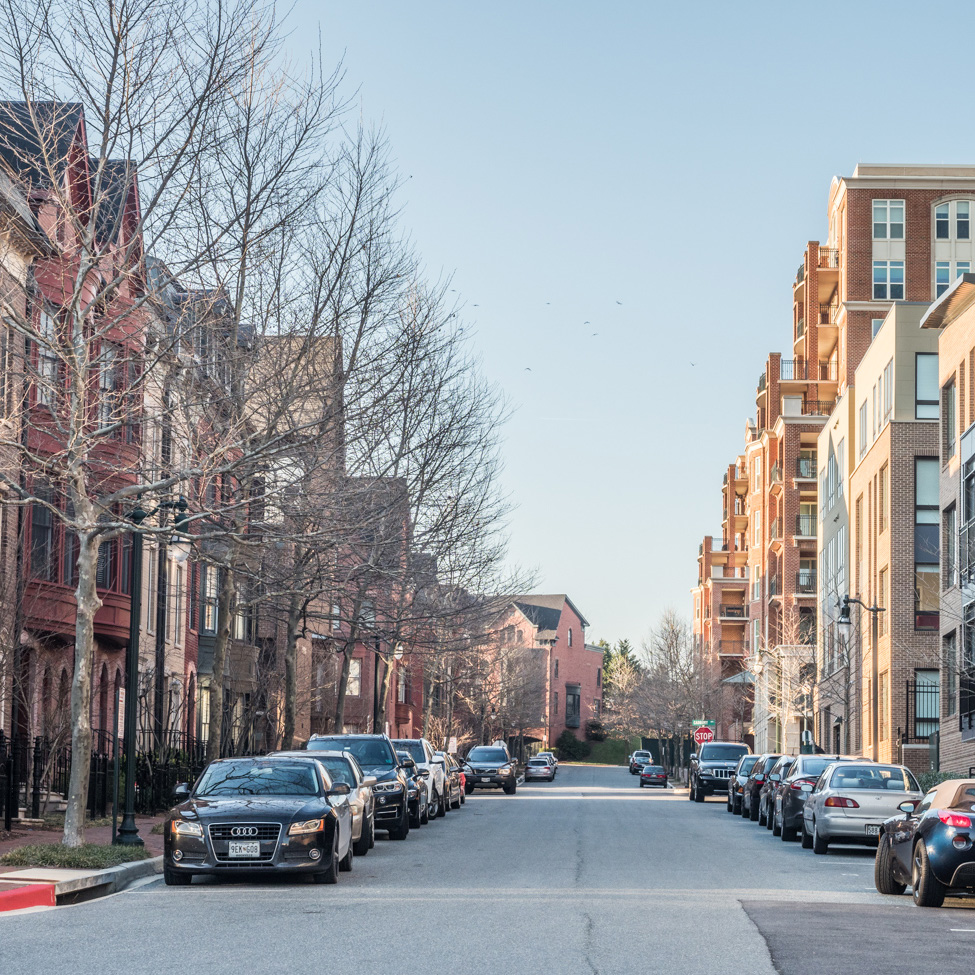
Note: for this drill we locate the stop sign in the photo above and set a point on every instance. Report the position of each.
(703, 735)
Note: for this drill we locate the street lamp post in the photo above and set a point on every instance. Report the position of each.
(845, 626)
(128, 834)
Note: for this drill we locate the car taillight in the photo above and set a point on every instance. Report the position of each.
(799, 783)
(842, 802)
(954, 819)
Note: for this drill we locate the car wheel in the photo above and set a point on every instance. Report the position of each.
(698, 793)
(403, 829)
(416, 818)
(806, 838)
(372, 832)
(753, 810)
(442, 807)
(928, 890)
(425, 814)
(762, 815)
(641, 785)
(768, 817)
(331, 875)
(173, 878)
(463, 796)
(819, 843)
(364, 843)
(727, 803)
(468, 789)
(735, 806)
(788, 833)
(776, 827)
(345, 864)
(510, 788)
(883, 875)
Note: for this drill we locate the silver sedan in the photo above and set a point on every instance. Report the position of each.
(851, 800)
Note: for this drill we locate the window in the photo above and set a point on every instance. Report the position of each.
(926, 543)
(402, 686)
(109, 365)
(367, 612)
(888, 280)
(945, 273)
(179, 586)
(949, 545)
(884, 705)
(105, 574)
(949, 416)
(209, 592)
(882, 600)
(888, 384)
(599, 677)
(875, 413)
(941, 229)
(336, 616)
(962, 225)
(556, 666)
(882, 499)
(46, 387)
(150, 597)
(757, 533)
(875, 324)
(570, 636)
(353, 687)
(888, 219)
(949, 654)
(555, 702)
(43, 557)
(595, 707)
(926, 391)
(757, 485)
(862, 432)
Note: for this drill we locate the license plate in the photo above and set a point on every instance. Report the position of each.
(250, 850)
(873, 830)
(485, 778)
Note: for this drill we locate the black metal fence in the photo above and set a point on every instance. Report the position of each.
(35, 774)
(923, 712)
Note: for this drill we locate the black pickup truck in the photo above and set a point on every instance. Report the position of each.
(712, 766)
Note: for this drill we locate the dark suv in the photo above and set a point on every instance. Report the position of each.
(376, 756)
(711, 768)
(491, 767)
(754, 782)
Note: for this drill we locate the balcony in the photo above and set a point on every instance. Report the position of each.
(829, 257)
(827, 314)
(806, 467)
(792, 370)
(732, 648)
(761, 383)
(818, 407)
(728, 612)
(801, 274)
(806, 581)
(806, 526)
(775, 474)
(827, 371)
(773, 586)
(775, 530)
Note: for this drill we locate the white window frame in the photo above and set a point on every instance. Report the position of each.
(884, 288)
(884, 210)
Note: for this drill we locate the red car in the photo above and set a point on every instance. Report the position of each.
(653, 775)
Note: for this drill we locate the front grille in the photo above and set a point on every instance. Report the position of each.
(485, 771)
(221, 836)
(718, 773)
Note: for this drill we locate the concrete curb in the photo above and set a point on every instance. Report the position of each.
(69, 886)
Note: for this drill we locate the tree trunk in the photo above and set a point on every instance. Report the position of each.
(89, 603)
(291, 671)
(347, 650)
(225, 609)
(380, 718)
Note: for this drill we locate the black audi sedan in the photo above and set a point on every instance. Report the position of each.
(930, 846)
(376, 756)
(259, 814)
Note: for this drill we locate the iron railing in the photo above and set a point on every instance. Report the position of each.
(775, 474)
(806, 581)
(800, 328)
(817, 407)
(923, 712)
(732, 648)
(801, 274)
(827, 371)
(761, 383)
(805, 467)
(792, 370)
(829, 257)
(806, 526)
(731, 612)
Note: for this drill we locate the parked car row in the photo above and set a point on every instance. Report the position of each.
(312, 811)
(925, 841)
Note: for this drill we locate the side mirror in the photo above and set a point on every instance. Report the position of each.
(775, 778)
(370, 780)
(424, 773)
(806, 787)
(341, 789)
(909, 806)
(407, 763)
(182, 792)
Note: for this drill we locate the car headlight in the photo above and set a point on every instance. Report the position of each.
(387, 787)
(182, 827)
(308, 826)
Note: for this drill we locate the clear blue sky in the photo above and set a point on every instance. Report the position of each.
(654, 169)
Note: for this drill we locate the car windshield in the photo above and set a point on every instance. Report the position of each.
(413, 748)
(486, 754)
(722, 753)
(339, 770)
(258, 779)
(369, 752)
(746, 764)
(812, 766)
(888, 777)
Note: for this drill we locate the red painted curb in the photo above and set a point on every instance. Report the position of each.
(30, 895)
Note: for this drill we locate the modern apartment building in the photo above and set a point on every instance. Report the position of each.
(893, 512)
(952, 318)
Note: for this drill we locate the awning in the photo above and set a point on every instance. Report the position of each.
(745, 677)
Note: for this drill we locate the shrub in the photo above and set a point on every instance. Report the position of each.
(595, 731)
(88, 856)
(928, 780)
(569, 747)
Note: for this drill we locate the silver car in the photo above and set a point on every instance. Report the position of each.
(850, 801)
(343, 767)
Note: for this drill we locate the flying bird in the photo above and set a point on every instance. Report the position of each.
(528, 368)
(692, 363)
(594, 334)
(619, 302)
(587, 323)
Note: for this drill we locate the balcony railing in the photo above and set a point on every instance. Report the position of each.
(791, 370)
(827, 314)
(801, 274)
(773, 586)
(806, 581)
(731, 612)
(805, 467)
(829, 257)
(761, 383)
(827, 371)
(775, 474)
(806, 526)
(800, 328)
(732, 648)
(818, 407)
(923, 712)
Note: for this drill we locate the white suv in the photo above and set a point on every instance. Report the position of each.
(421, 751)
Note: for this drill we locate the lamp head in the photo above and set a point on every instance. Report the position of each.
(843, 624)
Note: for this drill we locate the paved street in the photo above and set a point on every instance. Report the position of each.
(588, 874)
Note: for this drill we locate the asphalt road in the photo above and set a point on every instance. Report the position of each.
(589, 874)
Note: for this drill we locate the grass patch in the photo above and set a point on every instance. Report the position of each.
(89, 856)
(159, 828)
(55, 822)
(612, 751)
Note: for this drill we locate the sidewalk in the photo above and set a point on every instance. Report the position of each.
(41, 887)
